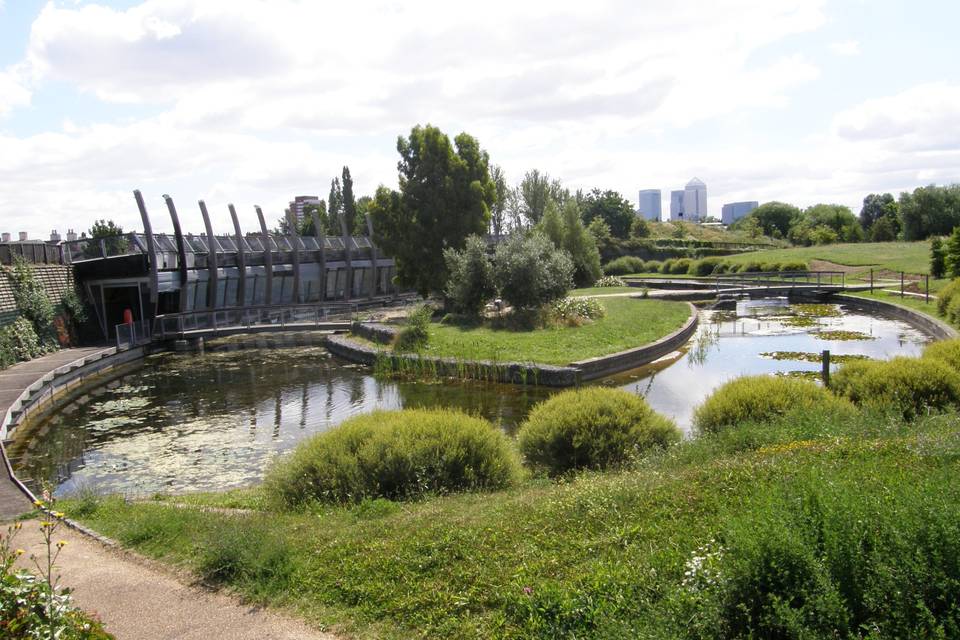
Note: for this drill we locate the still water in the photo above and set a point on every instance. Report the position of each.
(214, 421)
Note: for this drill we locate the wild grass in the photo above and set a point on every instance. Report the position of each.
(628, 323)
(811, 525)
(911, 257)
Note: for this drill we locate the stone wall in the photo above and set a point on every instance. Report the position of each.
(929, 325)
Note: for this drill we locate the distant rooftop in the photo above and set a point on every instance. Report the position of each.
(696, 182)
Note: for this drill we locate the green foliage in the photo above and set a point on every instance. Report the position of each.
(594, 428)
(952, 251)
(534, 194)
(445, 196)
(946, 296)
(750, 267)
(651, 266)
(32, 300)
(74, 306)
(624, 265)
(581, 246)
(576, 311)
(255, 558)
(703, 267)
(612, 208)
(681, 266)
(667, 266)
(609, 281)
(18, 341)
(938, 258)
(911, 386)
(470, 283)
(639, 228)
(395, 455)
(762, 399)
(947, 351)
(930, 211)
(530, 272)
(883, 230)
(794, 266)
(498, 210)
(877, 207)
(114, 242)
(825, 224)
(773, 218)
(415, 333)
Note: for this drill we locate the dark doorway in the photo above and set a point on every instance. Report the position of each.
(115, 301)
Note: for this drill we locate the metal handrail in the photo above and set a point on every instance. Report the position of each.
(761, 278)
(249, 317)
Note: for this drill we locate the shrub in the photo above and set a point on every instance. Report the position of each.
(794, 266)
(667, 266)
(624, 265)
(253, 555)
(704, 267)
(470, 283)
(947, 295)
(938, 258)
(591, 428)
(415, 333)
(530, 272)
(953, 311)
(681, 266)
(761, 399)
(609, 281)
(395, 454)
(947, 351)
(770, 267)
(750, 267)
(574, 311)
(722, 268)
(912, 386)
(18, 341)
(31, 299)
(651, 266)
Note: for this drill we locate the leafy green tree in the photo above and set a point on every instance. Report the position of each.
(581, 246)
(883, 230)
(938, 258)
(953, 254)
(470, 284)
(530, 271)
(445, 196)
(535, 191)
(772, 217)
(305, 228)
(349, 203)
(551, 225)
(613, 208)
(877, 206)
(335, 206)
(808, 228)
(114, 242)
(929, 210)
(639, 228)
(600, 230)
(498, 211)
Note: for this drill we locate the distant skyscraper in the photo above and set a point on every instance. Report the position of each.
(299, 204)
(695, 200)
(733, 211)
(649, 204)
(676, 205)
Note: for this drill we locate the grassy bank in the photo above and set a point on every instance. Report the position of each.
(628, 323)
(602, 291)
(853, 513)
(912, 257)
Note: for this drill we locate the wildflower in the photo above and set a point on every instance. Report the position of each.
(528, 590)
(61, 544)
(20, 552)
(18, 526)
(59, 515)
(38, 504)
(46, 524)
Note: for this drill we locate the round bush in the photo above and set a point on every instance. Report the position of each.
(667, 265)
(652, 266)
(761, 399)
(624, 265)
(947, 295)
(912, 386)
(591, 428)
(947, 351)
(395, 454)
(681, 266)
(704, 267)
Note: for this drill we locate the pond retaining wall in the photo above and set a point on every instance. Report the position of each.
(932, 326)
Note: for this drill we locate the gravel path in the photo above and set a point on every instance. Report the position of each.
(137, 600)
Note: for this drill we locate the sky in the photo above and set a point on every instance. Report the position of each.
(252, 102)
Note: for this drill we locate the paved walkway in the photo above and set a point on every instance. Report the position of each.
(138, 600)
(13, 381)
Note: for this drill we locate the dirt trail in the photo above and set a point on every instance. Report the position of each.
(138, 601)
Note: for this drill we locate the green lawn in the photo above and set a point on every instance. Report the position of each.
(855, 512)
(912, 257)
(907, 301)
(601, 291)
(628, 323)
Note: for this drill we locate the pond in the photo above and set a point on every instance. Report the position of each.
(185, 422)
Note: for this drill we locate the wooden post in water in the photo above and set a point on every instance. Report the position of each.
(826, 367)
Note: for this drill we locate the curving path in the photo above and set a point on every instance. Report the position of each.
(137, 600)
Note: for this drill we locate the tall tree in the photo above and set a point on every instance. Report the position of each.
(581, 246)
(445, 195)
(876, 206)
(305, 227)
(535, 190)
(929, 210)
(938, 258)
(774, 218)
(335, 206)
(613, 208)
(349, 203)
(498, 211)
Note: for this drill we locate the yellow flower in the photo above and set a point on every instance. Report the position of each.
(18, 526)
(20, 552)
(61, 544)
(58, 515)
(37, 503)
(46, 523)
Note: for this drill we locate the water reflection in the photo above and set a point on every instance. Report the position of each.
(187, 422)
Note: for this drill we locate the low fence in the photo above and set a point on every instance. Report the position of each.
(32, 252)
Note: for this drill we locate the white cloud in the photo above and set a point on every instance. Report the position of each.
(13, 91)
(845, 48)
